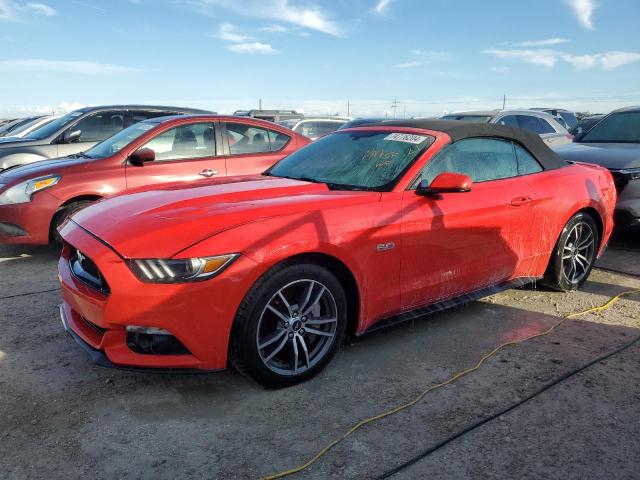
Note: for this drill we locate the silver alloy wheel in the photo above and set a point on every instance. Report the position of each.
(297, 327)
(578, 252)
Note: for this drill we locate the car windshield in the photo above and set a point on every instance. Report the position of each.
(52, 127)
(27, 126)
(354, 160)
(469, 118)
(121, 139)
(623, 127)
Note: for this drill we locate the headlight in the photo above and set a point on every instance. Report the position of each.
(155, 270)
(631, 173)
(22, 192)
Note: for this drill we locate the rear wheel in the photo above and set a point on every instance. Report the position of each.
(289, 325)
(62, 215)
(574, 254)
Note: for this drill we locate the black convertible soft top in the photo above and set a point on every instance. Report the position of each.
(458, 130)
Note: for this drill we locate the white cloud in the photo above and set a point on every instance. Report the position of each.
(252, 48)
(430, 56)
(382, 6)
(229, 33)
(39, 9)
(64, 67)
(16, 11)
(547, 42)
(583, 10)
(308, 16)
(607, 61)
(548, 58)
(275, 28)
(409, 64)
(500, 69)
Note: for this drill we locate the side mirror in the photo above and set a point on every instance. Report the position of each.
(445, 183)
(142, 156)
(71, 136)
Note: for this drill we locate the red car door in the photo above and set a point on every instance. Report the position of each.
(252, 149)
(460, 242)
(187, 152)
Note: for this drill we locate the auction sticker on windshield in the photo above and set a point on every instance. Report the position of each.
(406, 138)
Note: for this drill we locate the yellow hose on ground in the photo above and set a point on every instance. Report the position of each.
(455, 377)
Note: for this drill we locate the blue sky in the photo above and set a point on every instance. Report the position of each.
(430, 55)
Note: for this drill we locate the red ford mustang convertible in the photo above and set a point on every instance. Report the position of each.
(362, 228)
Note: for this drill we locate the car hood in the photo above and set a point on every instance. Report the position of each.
(614, 156)
(38, 169)
(162, 222)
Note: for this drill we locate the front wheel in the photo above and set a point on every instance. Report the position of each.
(62, 215)
(289, 325)
(574, 254)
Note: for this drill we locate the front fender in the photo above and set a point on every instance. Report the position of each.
(273, 240)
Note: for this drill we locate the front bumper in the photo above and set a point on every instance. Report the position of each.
(199, 315)
(28, 223)
(627, 212)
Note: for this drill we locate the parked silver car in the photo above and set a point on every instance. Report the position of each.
(315, 127)
(77, 131)
(27, 128)
(540, 123)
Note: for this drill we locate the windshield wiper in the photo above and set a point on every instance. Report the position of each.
(330, 185)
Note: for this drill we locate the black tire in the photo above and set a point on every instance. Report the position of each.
(61, 216)
(255, 318)
(559, 271)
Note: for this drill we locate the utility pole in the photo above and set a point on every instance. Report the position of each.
(504, 101)
(259, 104)
(394, 106)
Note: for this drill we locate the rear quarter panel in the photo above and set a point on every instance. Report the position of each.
(558, 195)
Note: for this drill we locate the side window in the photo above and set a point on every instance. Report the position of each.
(509, 121)
(185, 142)
(535, 124)
(99, 126)
(278, 140)
(325, 128)
(482, 159)
(247, 139)
(526, 163)
(308, 129)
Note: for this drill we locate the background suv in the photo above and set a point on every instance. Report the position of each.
(540, 123)
(614, 143)
(77, 131)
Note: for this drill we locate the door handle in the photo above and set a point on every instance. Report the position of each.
(208, 173)
(520, 201)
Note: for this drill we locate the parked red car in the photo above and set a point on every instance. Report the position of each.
(35, 199)
(366, 226)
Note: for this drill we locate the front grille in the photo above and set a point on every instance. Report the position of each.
(85, 270)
